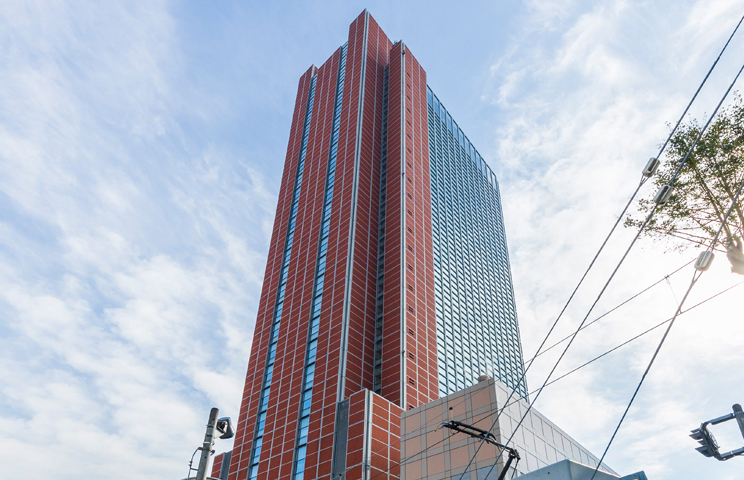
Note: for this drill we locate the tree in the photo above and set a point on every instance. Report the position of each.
(705, 187)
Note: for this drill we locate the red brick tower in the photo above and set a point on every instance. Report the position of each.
(347, 305)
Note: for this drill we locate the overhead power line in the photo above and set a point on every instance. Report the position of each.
(427, 424)
(635, 337)
(477, 418)
(607, 352)
(663, 194)
(661, 198)
(701, 266)
(439, 417)
(614, 308)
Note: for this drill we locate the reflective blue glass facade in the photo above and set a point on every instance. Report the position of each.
(476, 319)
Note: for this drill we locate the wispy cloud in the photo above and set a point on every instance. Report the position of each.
(128, 279)
(139, 164)
(584, 107)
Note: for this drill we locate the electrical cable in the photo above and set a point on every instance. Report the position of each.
(439, 417)
(634, 338)
(191, 463)
(613, 309)
(669, 188)
(560, 315)
(695, 277)
(605, 242)
(480, 417)
(514, 472)
(477, 418)
(428, 424)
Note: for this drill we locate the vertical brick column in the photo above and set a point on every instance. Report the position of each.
(421, 350)
(217, 465)
(374, 438)
(361, 309)
(331, 331)
(409, 370)
(346, 338)
(284, 405)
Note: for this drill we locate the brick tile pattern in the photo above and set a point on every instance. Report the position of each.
(345, 361)
(409, 374)
(374, 437)
(217, 465)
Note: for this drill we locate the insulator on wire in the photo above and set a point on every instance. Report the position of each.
(651, 166)
(662, 196)
(704, 260)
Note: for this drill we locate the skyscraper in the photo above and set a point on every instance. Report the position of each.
(387, 283)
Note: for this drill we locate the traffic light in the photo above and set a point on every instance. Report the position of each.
(708, 445)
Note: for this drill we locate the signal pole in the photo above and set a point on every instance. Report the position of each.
(709, 445)
(206, 448)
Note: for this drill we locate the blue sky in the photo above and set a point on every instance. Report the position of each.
(141, 148)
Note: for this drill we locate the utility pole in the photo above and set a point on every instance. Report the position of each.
(206, 448)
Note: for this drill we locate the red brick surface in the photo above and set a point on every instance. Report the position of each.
(344, 364)
(246, 425)
(217, 465)
(409, 328)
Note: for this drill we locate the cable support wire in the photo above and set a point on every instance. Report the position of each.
(669, 188)
(439, 417)
(613, 309)
(632, 339)
(477, 418)
(410, 457)
(560, 315)
(701, 267)
(428, 424)
(480, 417)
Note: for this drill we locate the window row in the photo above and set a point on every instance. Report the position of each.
(276, 320)
(314, 327)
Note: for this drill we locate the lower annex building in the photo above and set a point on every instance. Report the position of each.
(387, 284)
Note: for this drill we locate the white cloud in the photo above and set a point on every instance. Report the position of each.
(581, 117)
(131, 254)
(136, 206)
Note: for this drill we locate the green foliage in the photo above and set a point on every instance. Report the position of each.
(705, 186)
